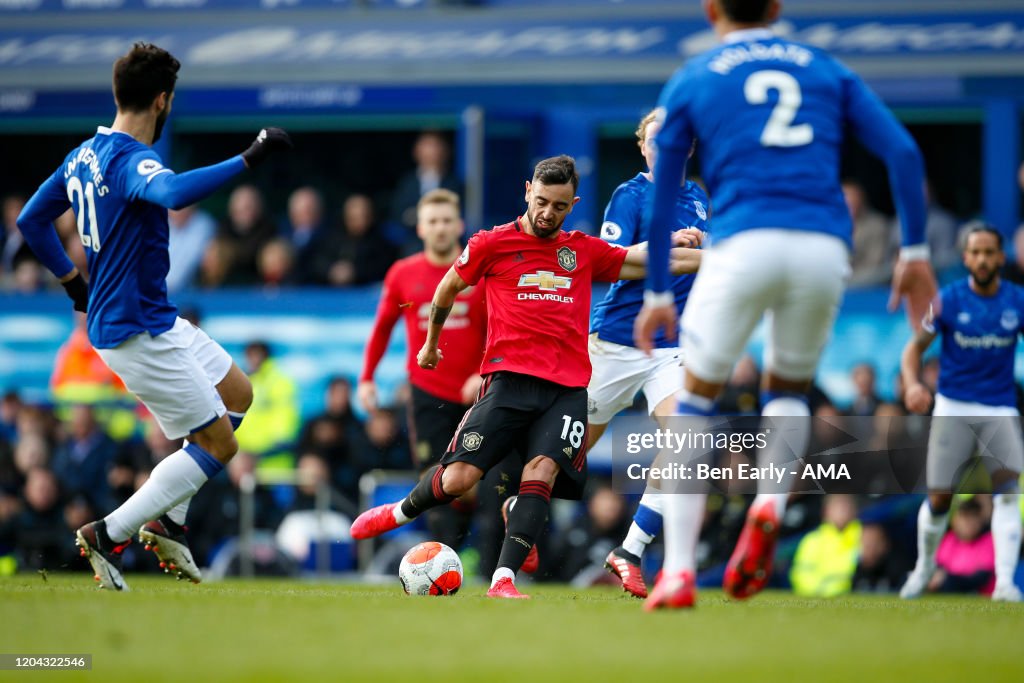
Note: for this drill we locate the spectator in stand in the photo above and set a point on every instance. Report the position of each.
(10, 406)
(866, 397)
(272, 422)
(191, 230)
(966, 556)
(826, 558)
(277, 264)
(874, 244)
(214, 515)
(306, 234)
(880, 568)
(216, 263)
(339, 436)
(940, 231)
(13, 249)
(359, 254)
(81, 462)
(81, 377)
(38, 532)
(432, 154)
(314, 470)
(247, 229)
(388, 447)
(741, 395)
(1014, 270)
(578, 553)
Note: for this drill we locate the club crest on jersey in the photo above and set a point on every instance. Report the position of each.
(1009, 320)
(702, 212)
(471, 441)
(567, 258)
(611, 231)
(963, 318)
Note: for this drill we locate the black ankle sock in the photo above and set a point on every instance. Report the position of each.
(427, 494)
(525, 522)
(103, 538)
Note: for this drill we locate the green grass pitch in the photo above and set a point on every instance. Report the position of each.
(287, 630)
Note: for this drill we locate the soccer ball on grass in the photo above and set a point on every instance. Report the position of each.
(431, 568)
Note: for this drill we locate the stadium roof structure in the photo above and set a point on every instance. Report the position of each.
(332, 54)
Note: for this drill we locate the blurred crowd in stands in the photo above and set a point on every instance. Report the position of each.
(308, 243)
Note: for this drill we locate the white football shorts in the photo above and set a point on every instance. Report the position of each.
(622, 371)
(175, 374)
(959, 430)
(794, 278)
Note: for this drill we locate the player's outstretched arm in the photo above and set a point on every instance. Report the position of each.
(178, 190)
(444, 298)
(389, 309)
(915, 394)
(657, 313)
(913, 282)
(36, 225)
(875, 126)
(681, 262)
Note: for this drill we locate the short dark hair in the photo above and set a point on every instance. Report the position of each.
(978, 226)
(746, 11)
(141, 74)
(557, 171)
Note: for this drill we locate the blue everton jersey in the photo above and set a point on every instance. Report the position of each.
(623, 225)
(125, 240)
(120, 193)
(979, 342)
(769, 117)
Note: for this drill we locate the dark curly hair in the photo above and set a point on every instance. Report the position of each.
(141, 74)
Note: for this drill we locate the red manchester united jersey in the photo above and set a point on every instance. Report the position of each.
(538, 298)
(408, 290)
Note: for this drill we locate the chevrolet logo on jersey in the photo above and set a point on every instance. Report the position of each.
(545, 280)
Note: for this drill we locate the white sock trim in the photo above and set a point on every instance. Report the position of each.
(502, 573)
(636, 540)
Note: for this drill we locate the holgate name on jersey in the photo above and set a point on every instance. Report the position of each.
(732, 57)
(88, 157)
(547, 282)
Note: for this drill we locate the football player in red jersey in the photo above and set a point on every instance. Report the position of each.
(536, 367)
(439, 399)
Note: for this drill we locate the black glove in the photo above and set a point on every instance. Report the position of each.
(269, 140)
(78, 290)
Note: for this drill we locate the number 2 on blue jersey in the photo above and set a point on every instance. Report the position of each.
(778, 131)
